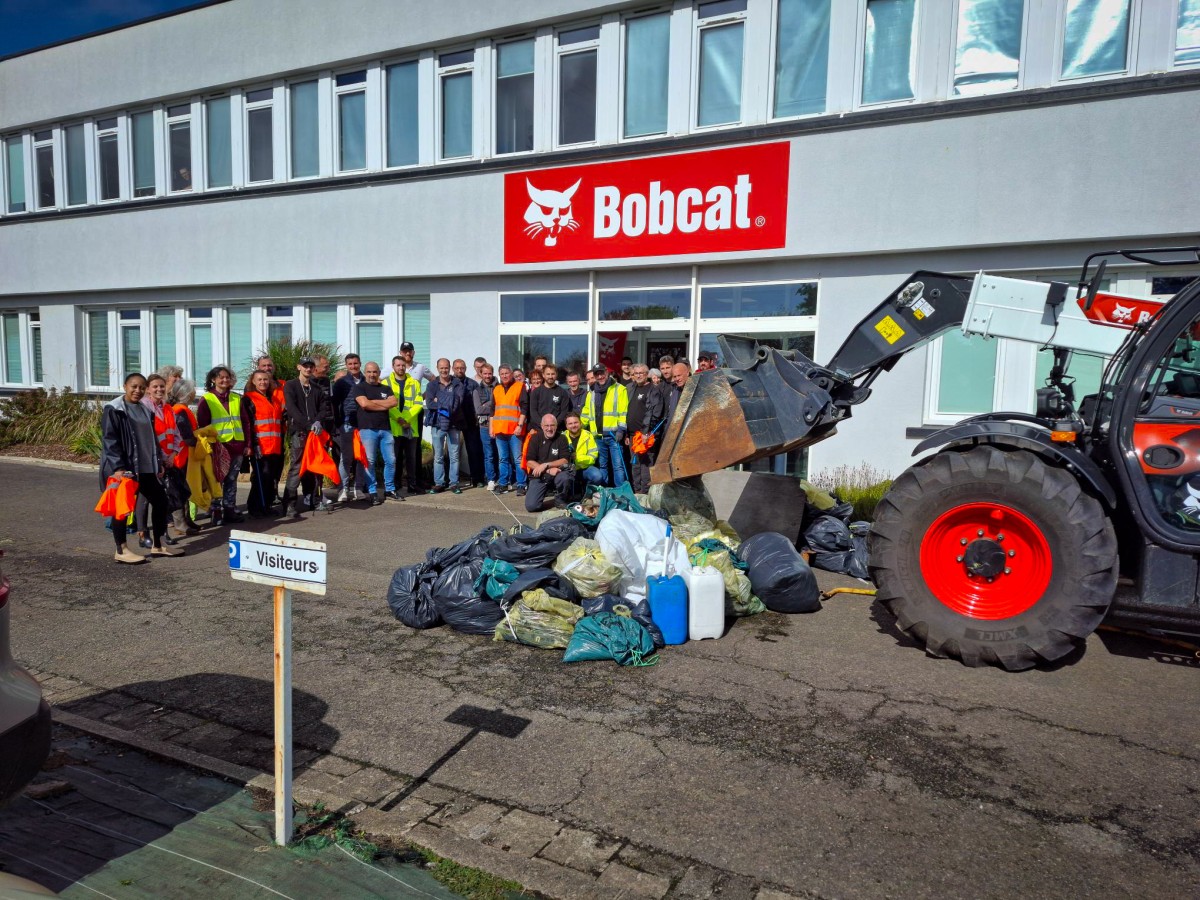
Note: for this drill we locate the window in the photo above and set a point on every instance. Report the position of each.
(129, 327)
(164, 338)
(647, 68)
(719, 68)
(43, 168)
(455, 74)
(567, 351)
(1095, 37)
(368, 332)
(260, 150)
(200, 344)
(279, 323)
(1187, 35)
(403, 122)
(14, 153)
(514, 97)
(35, 346)
(350, 89)
(889, 51)
(219, 142)
(758, 301)
(142, 146)
(322, 324)
(988, 54)
(108, 167)
(801, 57)
(621, 306)
(10, 344)
(569, 307)
(76, 147)
(577, 50)
(241, 341)
(305, 130)
(179, 147)
(804, 341)
(415, 329)
(99, 370)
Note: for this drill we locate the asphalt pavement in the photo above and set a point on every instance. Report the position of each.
(815, 755)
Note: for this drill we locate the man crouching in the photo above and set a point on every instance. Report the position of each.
(547, 460)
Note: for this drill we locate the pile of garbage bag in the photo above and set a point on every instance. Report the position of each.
(836, 543)
(577, 582)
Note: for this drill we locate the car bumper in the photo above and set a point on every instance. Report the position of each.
(26, 747)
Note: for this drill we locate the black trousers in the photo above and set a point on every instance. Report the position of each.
(350, 468)
(640, 472)
(408, 460)
(309, 483)
(474, 447)
(535, 491)
(150, 489)
(264, 483)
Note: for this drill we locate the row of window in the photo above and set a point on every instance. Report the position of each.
(744, 301)
(643, 75)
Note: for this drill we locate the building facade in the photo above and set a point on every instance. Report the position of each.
(583, 179)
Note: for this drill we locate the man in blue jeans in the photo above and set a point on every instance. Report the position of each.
(444, 410)
(374, 430)
(603, 415)
(509, 417)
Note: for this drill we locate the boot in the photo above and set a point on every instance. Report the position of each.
(125, 555)
(166, 551)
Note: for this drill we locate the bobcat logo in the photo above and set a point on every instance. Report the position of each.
(1122, 313)
(550, 211)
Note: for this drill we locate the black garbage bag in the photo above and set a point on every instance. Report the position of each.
(565, 528)
(828, 534)
(470, 549)
(640, 612)
(532, 549)
(852, 561)
(780, 577)
(410, 595)
(546, 579)
(459, 605)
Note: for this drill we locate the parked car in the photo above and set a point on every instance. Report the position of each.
(24, 715)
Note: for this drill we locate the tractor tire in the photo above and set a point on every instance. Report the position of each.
(993, 557)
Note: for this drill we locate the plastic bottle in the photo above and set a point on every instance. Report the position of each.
(706, 603)
(668, 596)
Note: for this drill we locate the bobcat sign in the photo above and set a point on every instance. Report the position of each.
(708, 202)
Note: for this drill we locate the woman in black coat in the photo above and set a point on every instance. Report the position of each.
(130, 447)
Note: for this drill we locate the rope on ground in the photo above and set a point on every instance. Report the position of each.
(100, 829)
(74, 879)
(506, 509)
(384, 872)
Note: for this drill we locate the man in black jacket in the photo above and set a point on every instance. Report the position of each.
(470, 424)
(551, 397)
(647, 410)
(308, 410)
(345, 420)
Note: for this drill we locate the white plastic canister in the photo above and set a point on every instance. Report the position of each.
(706, 603)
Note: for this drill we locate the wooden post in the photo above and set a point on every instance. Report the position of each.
(283, 716)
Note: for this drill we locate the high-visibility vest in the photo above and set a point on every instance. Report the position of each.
(181, 409)
(227, 422)
(408, 404)
(508, 408)
(167, 432)
(268, 423)
(616, 404)
(584, 449)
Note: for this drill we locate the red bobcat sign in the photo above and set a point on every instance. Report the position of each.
(706, 202)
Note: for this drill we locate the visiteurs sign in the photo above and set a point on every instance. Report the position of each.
(714, 201)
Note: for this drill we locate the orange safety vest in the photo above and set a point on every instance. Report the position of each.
(181, 460)
(268, 423)
(167, 432)
(118, 498)
(508, 408)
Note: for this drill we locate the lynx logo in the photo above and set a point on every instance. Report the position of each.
(549, 211)
(712, 201)
(1122, 313)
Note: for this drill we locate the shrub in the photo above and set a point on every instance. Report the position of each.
(287, 353)
(862, 486)
(51, 417)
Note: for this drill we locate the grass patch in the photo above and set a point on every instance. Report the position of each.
(324, 828)
(50, 417)
(862, 486)
(470, 883)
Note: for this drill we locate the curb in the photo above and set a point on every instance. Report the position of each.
(51, 463)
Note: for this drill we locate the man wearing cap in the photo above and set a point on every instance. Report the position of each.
(707, 360)
(604, 413)
(308, 409)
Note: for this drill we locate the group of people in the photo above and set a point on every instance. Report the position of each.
(523, 432)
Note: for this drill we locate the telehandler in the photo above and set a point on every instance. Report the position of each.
(1014, 535)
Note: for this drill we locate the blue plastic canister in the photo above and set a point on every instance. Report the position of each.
(669, 606)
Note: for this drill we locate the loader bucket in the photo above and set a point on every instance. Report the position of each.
(766, 402)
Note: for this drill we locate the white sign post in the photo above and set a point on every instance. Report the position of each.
(287, 565)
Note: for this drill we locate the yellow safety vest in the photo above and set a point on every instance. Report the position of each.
(584, 449)
(408, 405)
(227, 422)
(616, 404)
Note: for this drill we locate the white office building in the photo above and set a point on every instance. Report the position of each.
(580, 179)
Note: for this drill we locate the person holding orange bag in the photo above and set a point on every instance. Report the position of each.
(308, 412)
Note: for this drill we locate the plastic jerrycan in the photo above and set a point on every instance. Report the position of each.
(706, 603)
(668, 596)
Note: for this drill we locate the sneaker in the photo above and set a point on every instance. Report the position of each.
(353, 492)
(457, 489)
(437, 489)
(491, 485)
(166, 551)
(128, 556)
(413, 492)
(144, 542)
(343, 495)
(232, 515)
(520, 490)
(376, 500)
(323, 506)
(395, 495)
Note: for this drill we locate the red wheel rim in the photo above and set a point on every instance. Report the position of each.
(966, 532)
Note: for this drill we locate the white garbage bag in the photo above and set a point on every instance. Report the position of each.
(634, 543)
